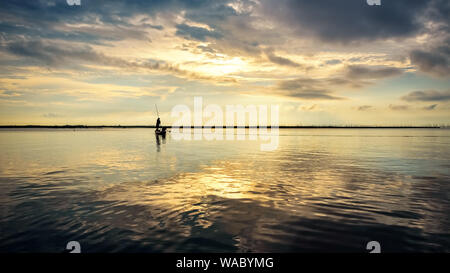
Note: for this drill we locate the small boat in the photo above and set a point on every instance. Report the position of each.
(160, 132)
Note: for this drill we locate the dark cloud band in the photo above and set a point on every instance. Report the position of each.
(429, 95)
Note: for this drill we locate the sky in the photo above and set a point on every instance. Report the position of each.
(323, 62)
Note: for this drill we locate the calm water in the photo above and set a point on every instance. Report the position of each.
(322, 190)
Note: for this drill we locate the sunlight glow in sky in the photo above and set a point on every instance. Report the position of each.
(324, 62)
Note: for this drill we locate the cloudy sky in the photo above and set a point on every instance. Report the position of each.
(323, 62)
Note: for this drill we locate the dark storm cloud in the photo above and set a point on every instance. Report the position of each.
(158, 27)
(50, 54)
(429, 95)
(366, 72)
(352, 20)
(196, 33)
(313, 95)
(56, 55)
(206, 49)
(350, 77)
(304, 88)
(210, 12)
(435, 61)
(42, 18)
(430, 107)
(330, 20)
(297, 84)
(398, 107)
(280, 60)
(364, 107)
(232, 31)
(48, 19)
(333, 62)
(110, 11)
(354, 76)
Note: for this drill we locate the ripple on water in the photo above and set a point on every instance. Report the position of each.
(320, 194)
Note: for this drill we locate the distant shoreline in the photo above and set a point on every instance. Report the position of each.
(208, 127)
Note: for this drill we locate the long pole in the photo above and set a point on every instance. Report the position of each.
(157, 110)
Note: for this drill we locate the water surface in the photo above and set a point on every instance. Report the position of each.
(322, 190)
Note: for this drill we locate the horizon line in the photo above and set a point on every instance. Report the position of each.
(68, 126)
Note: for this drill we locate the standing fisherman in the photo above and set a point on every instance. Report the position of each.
(158, 123)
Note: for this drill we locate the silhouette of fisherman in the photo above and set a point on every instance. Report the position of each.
(158, 123)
